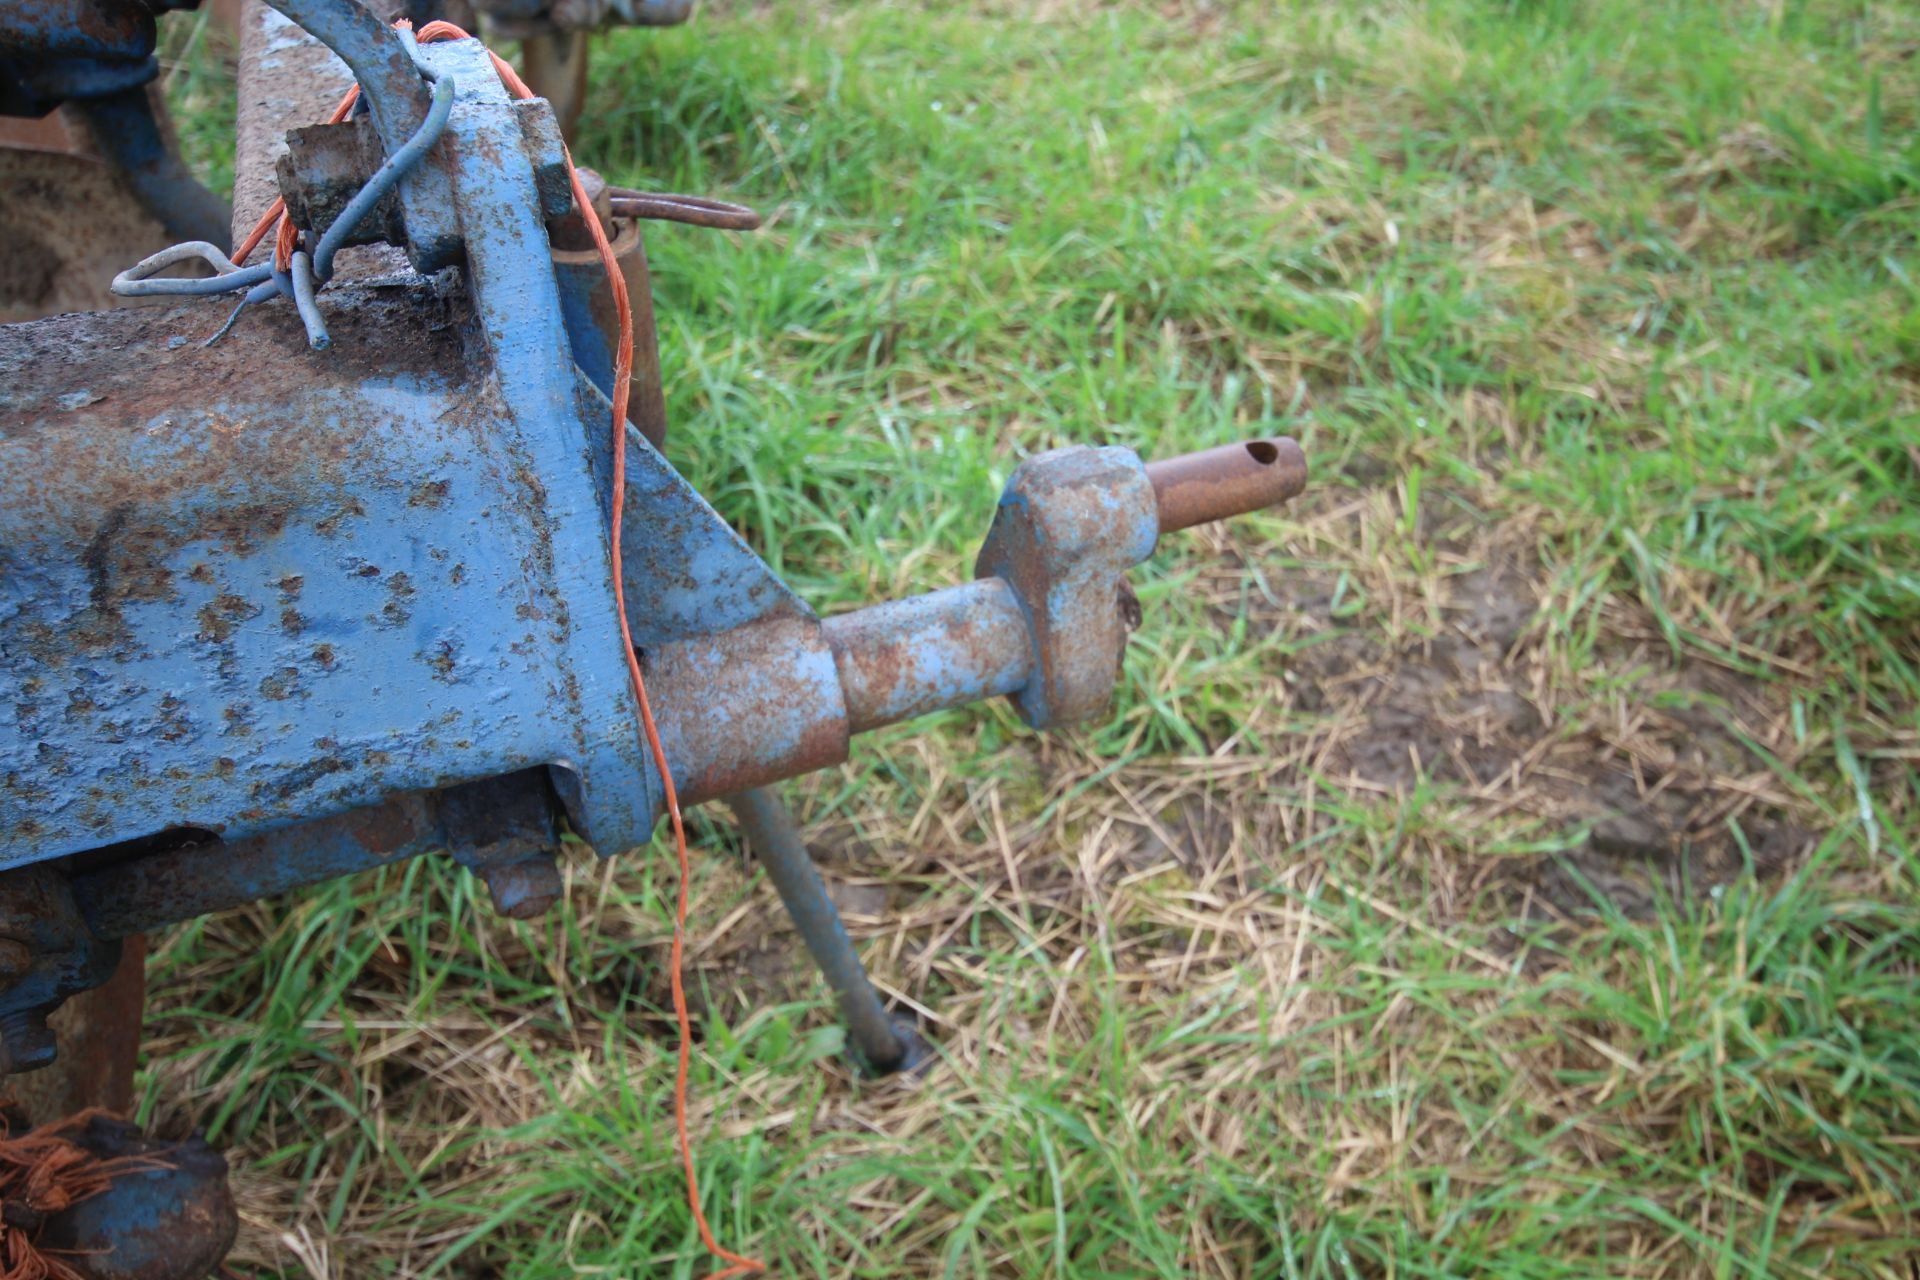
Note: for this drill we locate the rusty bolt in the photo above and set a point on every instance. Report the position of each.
(524, 890)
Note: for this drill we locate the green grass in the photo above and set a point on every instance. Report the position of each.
(1621, 293)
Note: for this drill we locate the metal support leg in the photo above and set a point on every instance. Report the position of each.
(98, 1032)
(554, 65)
(130, 135)
(883, 1042)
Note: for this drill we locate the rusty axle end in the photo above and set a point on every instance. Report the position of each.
(1232, 480)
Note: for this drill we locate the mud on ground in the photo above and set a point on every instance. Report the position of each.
(1642, 781)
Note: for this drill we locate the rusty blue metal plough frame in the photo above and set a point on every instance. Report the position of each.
(270, 615)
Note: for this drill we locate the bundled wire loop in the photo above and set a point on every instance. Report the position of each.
(292, 274)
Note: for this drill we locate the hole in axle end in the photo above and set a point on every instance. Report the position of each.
(1263, 452)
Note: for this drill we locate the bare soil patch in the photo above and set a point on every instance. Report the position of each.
(1636, 775)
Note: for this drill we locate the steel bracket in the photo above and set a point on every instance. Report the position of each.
(1071, 523)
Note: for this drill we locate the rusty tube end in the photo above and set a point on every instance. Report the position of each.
(1231, 480)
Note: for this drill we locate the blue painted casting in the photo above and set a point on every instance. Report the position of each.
(270, 615)
(336, 593)
(1069, 526)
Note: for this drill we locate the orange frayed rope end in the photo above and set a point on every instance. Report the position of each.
(42, 1172)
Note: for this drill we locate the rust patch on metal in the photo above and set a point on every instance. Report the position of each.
(142, 377)
(905, 658)
(1232, 480)
(441, 660)
(167, 473)
(747, 707)
(222, 614)
(281, 685)
(388, 827)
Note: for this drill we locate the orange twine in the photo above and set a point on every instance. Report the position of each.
(42, 1172)
(622, 373)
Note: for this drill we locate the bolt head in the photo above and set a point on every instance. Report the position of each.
(525, 890)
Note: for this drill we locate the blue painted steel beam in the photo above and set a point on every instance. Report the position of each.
(245, 587)
(149, 892)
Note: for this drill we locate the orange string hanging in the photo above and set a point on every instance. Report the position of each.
(622, 374)
(284, 242)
